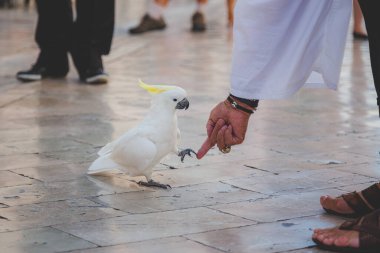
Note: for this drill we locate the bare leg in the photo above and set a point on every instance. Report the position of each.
(230, 12)
(358, 20)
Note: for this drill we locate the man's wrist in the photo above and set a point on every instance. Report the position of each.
(252, 103)
(240, 106)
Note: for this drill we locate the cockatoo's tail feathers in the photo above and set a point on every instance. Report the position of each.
(156, 89)
(102, 164)
(107, 149)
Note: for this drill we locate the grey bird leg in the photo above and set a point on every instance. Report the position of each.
(152, 183)
(185, 152)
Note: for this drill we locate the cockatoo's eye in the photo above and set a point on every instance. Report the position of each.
(175, 100)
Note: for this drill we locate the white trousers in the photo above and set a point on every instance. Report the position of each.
(281, 45)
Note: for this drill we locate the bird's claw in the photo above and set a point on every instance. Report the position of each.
(152, 183)
(185, 152)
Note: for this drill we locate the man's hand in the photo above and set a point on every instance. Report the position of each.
(226, 127)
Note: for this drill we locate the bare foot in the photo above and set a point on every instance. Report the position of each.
(337, 237)
(338, 205)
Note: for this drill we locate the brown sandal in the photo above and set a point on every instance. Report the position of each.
(362, 203)
(369, 235)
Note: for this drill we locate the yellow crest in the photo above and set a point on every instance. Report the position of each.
(155, 89)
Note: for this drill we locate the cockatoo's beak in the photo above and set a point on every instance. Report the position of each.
(183, 104)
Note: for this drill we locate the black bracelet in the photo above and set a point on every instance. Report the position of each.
(237, 106)
(250, 102)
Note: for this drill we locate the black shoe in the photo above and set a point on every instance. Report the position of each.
(95, 76)
(36, 73)
(50, 63)
(147, 24)
(199, 23)
(88, 62)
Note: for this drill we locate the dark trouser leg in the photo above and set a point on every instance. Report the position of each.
(53, 34)
(370, 9)
(93, 31)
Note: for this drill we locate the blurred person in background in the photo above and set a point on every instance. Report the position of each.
(153, 19)
(7, 3)
(87, 39)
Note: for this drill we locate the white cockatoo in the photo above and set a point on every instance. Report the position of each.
(137, 151)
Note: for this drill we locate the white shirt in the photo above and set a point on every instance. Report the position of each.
(281, 45)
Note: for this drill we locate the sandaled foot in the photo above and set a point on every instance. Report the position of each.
(362, 235)
(185, 152)
(152, 183)
(336, 237)
(336, 206)
(354, 204)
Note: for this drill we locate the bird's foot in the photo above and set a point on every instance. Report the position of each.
(152, 183)
(185, 152)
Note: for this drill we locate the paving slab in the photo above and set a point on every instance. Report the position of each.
(139, 227)
(18, 161)
(167, 245)
(307, 180)
(41, 240)
(370, 169)
(177, 198)
(261, 197)
(277, 208)
(53, 173)
(202, 174)
(266, 237)
(52, 213)
(55, 191)
(8, 178)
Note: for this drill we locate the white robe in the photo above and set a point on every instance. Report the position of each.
(281, 45)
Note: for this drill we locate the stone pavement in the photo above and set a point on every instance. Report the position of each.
(262, 197)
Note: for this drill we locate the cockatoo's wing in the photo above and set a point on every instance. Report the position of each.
(104, 162)
(107, 149)
(136, 155)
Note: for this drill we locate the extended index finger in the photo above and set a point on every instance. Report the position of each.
(206, 146)
(210, 141)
